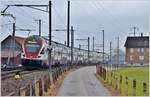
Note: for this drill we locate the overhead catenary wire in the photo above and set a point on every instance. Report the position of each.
(58, 15)
(107, 13)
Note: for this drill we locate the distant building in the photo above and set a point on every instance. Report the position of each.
(137, 50)
(7, 53)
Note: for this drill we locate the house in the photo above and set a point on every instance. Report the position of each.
(9, 55)
(137, 50)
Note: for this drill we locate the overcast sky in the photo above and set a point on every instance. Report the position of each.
(88, 17)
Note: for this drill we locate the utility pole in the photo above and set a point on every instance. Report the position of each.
(13, 35)
(50, 36)
(117, 52)
(103, 46)
(72, 43)
(110, 54)
(93, 43)
(68, 24)
(88, 49)
(39, 27)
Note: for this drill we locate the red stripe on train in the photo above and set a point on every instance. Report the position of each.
(31, 55)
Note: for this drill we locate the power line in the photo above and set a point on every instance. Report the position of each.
(59, 16)
(109, 14)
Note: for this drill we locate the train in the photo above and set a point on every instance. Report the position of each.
(36, 49)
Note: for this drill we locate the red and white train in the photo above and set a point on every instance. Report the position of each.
(35, 53)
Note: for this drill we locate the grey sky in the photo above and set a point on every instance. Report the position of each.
(88, 17)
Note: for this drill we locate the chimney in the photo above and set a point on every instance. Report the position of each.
(141, 34)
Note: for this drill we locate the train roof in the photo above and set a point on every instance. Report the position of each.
(69, 46)
(46, 39)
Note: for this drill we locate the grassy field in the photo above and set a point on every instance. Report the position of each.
(140, 74)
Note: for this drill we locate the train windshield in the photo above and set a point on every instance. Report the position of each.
(33, 48)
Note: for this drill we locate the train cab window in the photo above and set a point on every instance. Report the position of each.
(32, 48)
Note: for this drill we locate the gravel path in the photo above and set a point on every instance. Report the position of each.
(82, 82)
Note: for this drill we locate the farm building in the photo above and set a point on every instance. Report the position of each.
(137, 50)
(10, 55)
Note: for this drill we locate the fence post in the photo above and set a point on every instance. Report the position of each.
(103, 73)
(40, 87)
(111, 78)
(120, 83)
(33, 89)
(144, 89)
(96, 69)
(22, 91)
(116, 81)
(126, 84)
(107, 76)
(30, 86)
(45, 83)
(99, 70)
(27, 90)
(134, 87)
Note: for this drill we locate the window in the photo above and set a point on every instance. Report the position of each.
(141, 58)
(141, 50)
(138, 49)
(131, 58)
(131, 50)
(33, 48)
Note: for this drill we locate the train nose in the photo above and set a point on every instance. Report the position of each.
(30, 55)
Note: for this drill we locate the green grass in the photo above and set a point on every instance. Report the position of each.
(140, 74)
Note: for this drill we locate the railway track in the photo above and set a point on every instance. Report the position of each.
(11, 74)
(10, 85)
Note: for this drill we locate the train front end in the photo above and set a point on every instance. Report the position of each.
(34, 54)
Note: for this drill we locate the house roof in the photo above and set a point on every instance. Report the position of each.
(18, 39)
(6, 53)
(137, 42)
